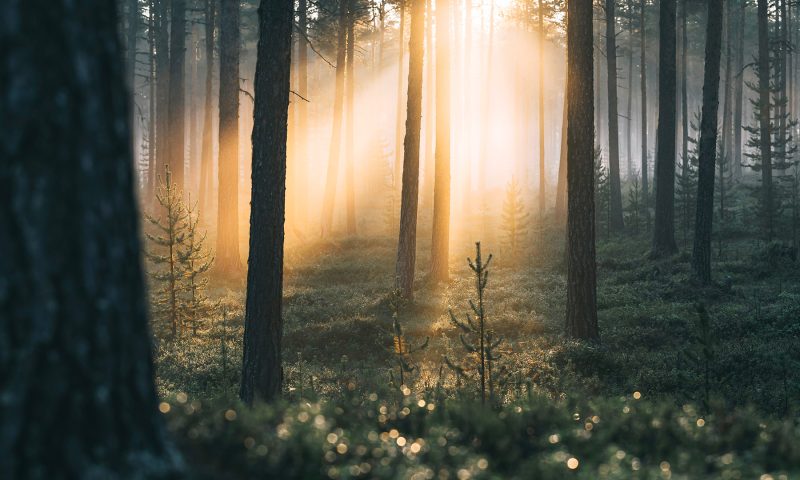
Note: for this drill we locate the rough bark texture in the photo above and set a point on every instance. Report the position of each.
(613, 118)
(664, 228)
(76, 373)
(701, 253)
(581, 321)
(407, 243)
(764, 118)
(332, 176)
(228, 259)
(207, 154)
(440, 246)
(177, 73)
(261, 366)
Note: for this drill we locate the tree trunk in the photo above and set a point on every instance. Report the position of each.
(398, 158)
(440, 245)
(739, 94)
(406, 248)
(151, 112)
(177, 73)
(725, 144)
(262, 374)
(301, 109)
(542, 183)
(336, 133)
(629, 122)
(684, 103)
(207, 154)
(701, 254)
(581, 321)
(130, 51)
(77, 381)
(765, 127)
(228, 259)
(643, 89)
(162, 93)
(349, 127)
(616, 220)
(664, 229)
(429, 112)
(561, 187)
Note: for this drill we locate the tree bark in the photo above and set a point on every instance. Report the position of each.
(701, 253)
(398, 158)
(148, 196)
(561, 187)
(429, 111)
(76, 371)
(629, 122)
(130, 51)
(664, 229)
(765, 128)
(350, 86)
(177, 74)
(301, 109)
(684, 98)
(228, 259)
(332, 176)
(207, 155)
(261, 366)
(617, 223)
(643, 90)
(162, 93)
(581, 319)
(739, 94)
(542, 182)
(440, 245)
(406, 247)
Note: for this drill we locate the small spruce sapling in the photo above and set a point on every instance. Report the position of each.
(477, 339)
(515, 219)
(195, 261)
(400, 349)
(167, 273)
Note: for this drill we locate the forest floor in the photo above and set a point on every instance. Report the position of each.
(338, 346)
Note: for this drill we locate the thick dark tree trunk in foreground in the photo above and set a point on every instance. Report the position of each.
(701, 254)
(76, 373)
(407, 244)
(177, 70)
(617, 223)
(664, 228)
(228, 260)
(581, 275)
(440, 246)
(261, 367)
(765, 127)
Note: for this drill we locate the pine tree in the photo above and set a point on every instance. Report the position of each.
(686, 185)
(602, 195)
(515, 219)
(171, 228)
(195, 260)
(634, 207)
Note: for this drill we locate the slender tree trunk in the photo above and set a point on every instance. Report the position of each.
(406, 248)
(725, 144)
(262, 374)
(629, 123)
(617, 223)
(336, 134)
(162, 91)
(398, 159)
(429, 112)
(466, 115)
(701, 254)
(487, 93)
(581, 320)
(177, 74)
(765, 128)
(739, 94)
(664, 230)
(151, 112)
(350, 88)
(542, 182)
(440, 245)
(301, 110)
(207, 154)
(77, 381)
(684, 102)
(228, 259)
(134, 22)
(643, 90)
